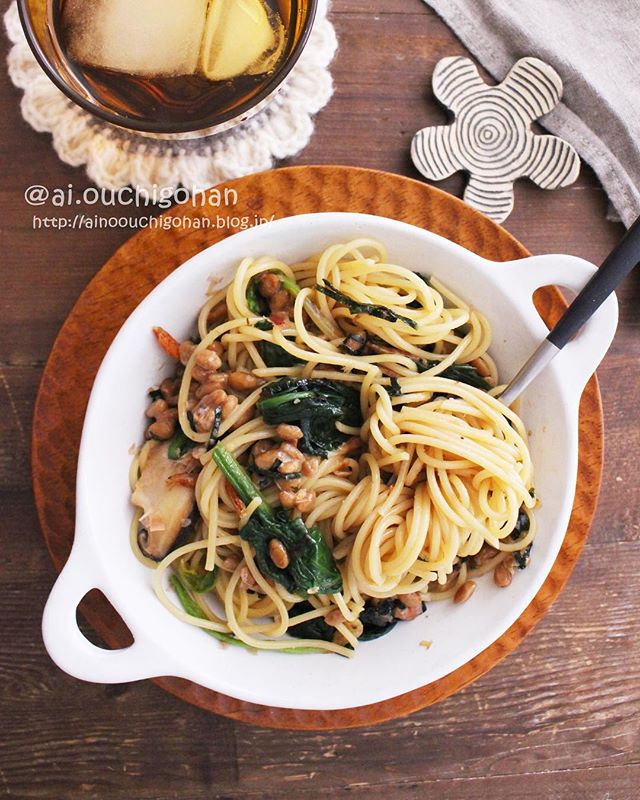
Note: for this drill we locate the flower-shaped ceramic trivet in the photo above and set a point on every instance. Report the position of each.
(491, 136)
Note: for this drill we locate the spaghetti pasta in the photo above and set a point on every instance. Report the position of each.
(337, 425)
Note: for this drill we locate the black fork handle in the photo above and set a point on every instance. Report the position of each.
(615, 268)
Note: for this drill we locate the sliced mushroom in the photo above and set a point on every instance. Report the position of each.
(166, 504)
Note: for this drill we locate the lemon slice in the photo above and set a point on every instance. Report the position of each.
(240, 38)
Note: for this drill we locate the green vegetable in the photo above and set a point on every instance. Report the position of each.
(199, 581)
(275, 356)
(464, 373)
(522, 525)
(377, 619)
(256, 302)
(314, 405)
(272, 354)
(523, 557)
(237, 476)
(264, 325)
(194, 610)
(315, 628)
(289, 285)
(382, 312)
(311, 568)
(180, 445)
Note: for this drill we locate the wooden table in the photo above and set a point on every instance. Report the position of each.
(557, 719)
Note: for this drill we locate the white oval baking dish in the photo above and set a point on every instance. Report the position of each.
(101, 555)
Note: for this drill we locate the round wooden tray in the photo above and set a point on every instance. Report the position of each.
(149, 257)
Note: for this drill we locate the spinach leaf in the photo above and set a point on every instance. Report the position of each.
(522, 525)
(288, 284)
(264, 325)
(259, 531)
(180, 445)
(377, 619)
(523, 557)
(258, 305)
(312, 629)
(317, 438)
(382, 312)
(464, 373)
(272, 354)
(194, 610)
(311, 567)
(314, 405)
(199, 581)
(275, 356)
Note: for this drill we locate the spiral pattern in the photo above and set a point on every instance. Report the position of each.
(491, 137)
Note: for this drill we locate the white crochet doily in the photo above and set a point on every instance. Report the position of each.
(115, 158)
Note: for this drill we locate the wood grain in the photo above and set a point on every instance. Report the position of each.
(564, 738)
(120, 286)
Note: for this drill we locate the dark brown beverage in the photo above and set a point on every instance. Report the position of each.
(173, 61)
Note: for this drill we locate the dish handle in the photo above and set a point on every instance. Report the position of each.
(580, 357)
(67, 645)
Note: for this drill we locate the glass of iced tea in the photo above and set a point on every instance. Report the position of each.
(168, 66)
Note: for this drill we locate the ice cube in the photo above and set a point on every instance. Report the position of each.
(241, 38)
(141, 37)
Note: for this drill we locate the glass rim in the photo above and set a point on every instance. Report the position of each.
(212, 121)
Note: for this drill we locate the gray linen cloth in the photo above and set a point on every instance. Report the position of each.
(595, 47)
